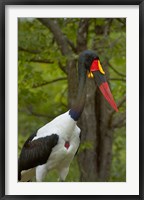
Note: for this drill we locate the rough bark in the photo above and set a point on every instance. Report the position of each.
(87, 157)
(87, 122)
(104, 138)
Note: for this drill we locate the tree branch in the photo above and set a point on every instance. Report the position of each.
(71, 44)
(122, 21)
(123, 100)
(61, 98)
(61, 40)
(111, 119)
(108, 26)
(117, 72)
(119, 121)
(117, 79)
(49, 82)
(30, 109)
(29, 50)
(63, 68)
(82, 34)
(41, 61)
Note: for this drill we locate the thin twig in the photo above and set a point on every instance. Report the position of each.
(71, 44)
(29, 50)
(117, 72)
(119, 121)
(32, 112)
(41, 61)
(117, 79)
(49, 82)
(63, 68)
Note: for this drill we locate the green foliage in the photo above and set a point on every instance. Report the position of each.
(38, 64)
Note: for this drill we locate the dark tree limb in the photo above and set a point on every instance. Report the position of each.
(49, 82)
(30, 111)
(119, 121)
(82, 34)
(111, 118)
(107, 26)
(63, 68)
(120, 103)
(71, 44)
(62, 96)
(41, 61)
(40, 115)
(123, 21)
(29, 50)
(117, 72)
(117, 79)
(60, 38)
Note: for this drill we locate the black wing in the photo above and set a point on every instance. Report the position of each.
(36, 152)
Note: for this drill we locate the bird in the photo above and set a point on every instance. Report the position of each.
(54, 145)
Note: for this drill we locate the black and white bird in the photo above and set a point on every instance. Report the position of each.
(54, 145)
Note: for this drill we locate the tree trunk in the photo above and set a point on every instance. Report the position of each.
(95, 162)
(87, 157)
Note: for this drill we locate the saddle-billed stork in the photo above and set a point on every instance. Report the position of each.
(54, 145)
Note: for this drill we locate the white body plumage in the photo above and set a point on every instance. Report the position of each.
(60, 158)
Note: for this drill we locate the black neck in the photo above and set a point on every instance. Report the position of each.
(76, 110)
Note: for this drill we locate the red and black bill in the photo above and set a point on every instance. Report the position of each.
(102, 84)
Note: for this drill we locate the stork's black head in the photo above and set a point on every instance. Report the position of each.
(89, 63)
(87, 57)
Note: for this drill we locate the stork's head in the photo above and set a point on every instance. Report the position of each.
(91, 65)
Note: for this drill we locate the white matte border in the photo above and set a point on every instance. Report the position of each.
(131, 186)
